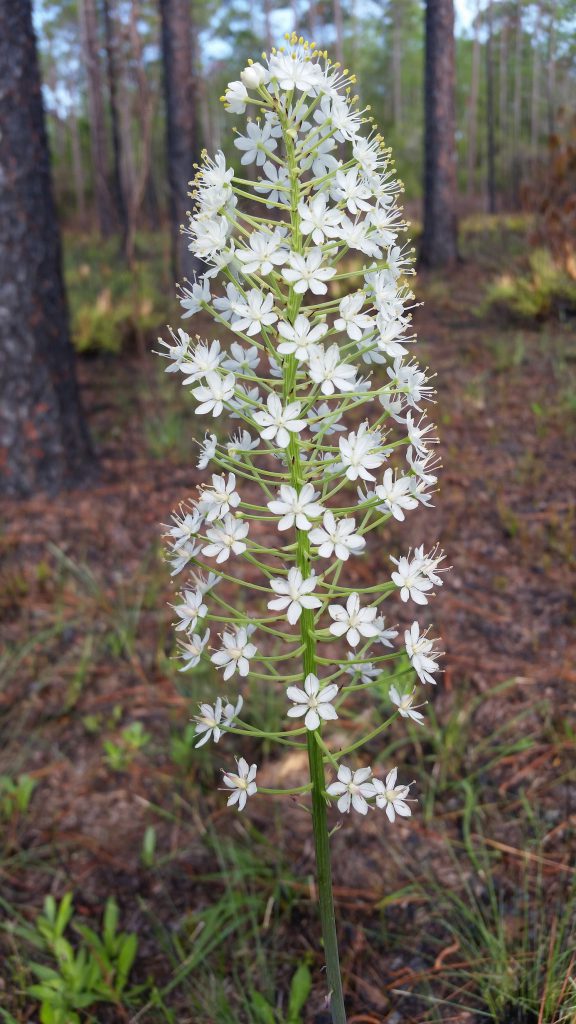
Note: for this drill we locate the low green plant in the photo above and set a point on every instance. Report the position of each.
(15, 795)
(119, 754)
(539, 290)
(78, 977)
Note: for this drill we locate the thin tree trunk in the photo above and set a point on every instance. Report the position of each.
(112, 75)
(503, 133)
(439, 240)
(515, 175)
(535, 105)
(98, 140)
(78, 170)
(268, 26)
(473, 108)
(183, 149)
(397, 64)
(490, 134)
(44, 442)
(146, 116)
(551, 75)
(339, 26)
(294, 6)
(312, 22)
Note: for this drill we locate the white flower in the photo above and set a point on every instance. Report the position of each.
(351, 319)
(395, 495)
(242, 360)
(241, 442)
(411, 580)
(181, 556)
(212, 720)
(254, 312)
(307, 272)
(279, 422)
(209, 235)
(236, 97)
(242, 784)
(421, 652)
(202, 360)
(356, 235)
(345, 120)
(217, 391)
(276, 183)
(428, 564)
(191, 609)
(226, 539)
(385, 635)
(404, 702)
(296, 507)
(227, 304)
(207, 451)
(326, 421)
(253, 76)
(312, 702)
(300, 337)
(254, 144)
(419, 435)
(352, 789)
(318, 220)
(176, 349)
(349, 189)
(290, 71)
(353, 620)
(186, 526)
(326, 370)
(217, 500)
(192, 299)
(359, 452)
(337, 537)
(295, 594)
(390, 331)
(267, 250)
(235, 654)
(390, 797)
(411, 380)
(191, 650)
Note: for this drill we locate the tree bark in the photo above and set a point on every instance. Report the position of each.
(473, 108)
(339, 26)
(397, 64)
(517, 118)
(44, 442)
(182, 144)
(490, 137)
(78, 170)
(439, 240)
(112, 76)
(98, 139)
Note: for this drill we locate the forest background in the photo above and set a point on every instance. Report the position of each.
(126, 891)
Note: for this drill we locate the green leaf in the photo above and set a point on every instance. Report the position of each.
(126, 959)
(64, 914)
(110, 924)
(263, 1011)
(300, 988)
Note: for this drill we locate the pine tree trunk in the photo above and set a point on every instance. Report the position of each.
(268, 26)
(339, 26)
(490, 136)
(397, 64)
(44, 442)
(535, 111)
(517, 120)
(112, 75)
(78, 170)
(473, 109)
(439, 240)
(98, 140)
(183, 149)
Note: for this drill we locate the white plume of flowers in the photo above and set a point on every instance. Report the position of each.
(328, 436)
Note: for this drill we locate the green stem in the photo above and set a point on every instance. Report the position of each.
(315, 755)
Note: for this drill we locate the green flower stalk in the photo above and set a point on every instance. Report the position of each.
(330, 438)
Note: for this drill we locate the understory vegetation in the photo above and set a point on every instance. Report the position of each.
(127, 891)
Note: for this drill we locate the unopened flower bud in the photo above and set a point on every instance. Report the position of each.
(253, 76)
